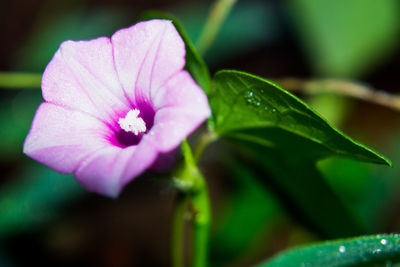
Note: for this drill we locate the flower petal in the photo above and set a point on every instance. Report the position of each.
(181, 106)
(108, 170)
(82, 76)
(146, 56)
(60, 138)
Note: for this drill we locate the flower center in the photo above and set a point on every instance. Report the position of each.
(132, 123)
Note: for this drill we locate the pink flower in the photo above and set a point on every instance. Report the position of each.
(112, 106)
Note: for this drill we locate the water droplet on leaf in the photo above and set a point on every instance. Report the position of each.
(252, 99)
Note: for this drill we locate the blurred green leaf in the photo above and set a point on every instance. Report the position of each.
(371, 191)
(303, 191)
(194, 62)
(334, 108)
(360, 251)
(346, 38)
(249, 108)
(34, 197)
(250, 211)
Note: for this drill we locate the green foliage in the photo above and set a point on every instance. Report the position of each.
(305, 192)
(380, 250)
(370, 190)
(346, 38)
(194, 62)
(250, 213)
(252, 109)
(284, 138)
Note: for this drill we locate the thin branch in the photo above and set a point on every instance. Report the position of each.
(341, 87)
(19, 80)
(218, 13)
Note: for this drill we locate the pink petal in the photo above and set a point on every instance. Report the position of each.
(60, 138)
(181, 106)
(146, 56)
(82, 76)
(108, 170)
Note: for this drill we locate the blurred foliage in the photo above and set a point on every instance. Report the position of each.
(35, 198)
(249, 26)
(251, 212)
(77, 24)
(368, 190)
(333, 108)
(17, 109)
(346, 38)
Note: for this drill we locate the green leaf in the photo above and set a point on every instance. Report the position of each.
(302, 190)
(283, 139)
(250, 108)
(346, 38)
(360, 251)
(194, 62)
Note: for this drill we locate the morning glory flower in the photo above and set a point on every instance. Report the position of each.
(114, 105)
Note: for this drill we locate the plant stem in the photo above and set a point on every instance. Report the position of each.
(178, 259)
(201, 224)
(19, 80)
(193, 187)
(341, 87)
(204, 140)
(216, 17)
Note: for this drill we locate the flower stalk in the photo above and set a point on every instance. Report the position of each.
(178, 258)
(204, 140)
(193, 191)
(201, 224)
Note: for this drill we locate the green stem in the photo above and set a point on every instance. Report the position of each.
(19, 80)
(205, 139)
(193, 187)
(201, 224)
(178, 259)
(219, 12)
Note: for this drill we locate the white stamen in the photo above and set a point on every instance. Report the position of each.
(132, 123)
